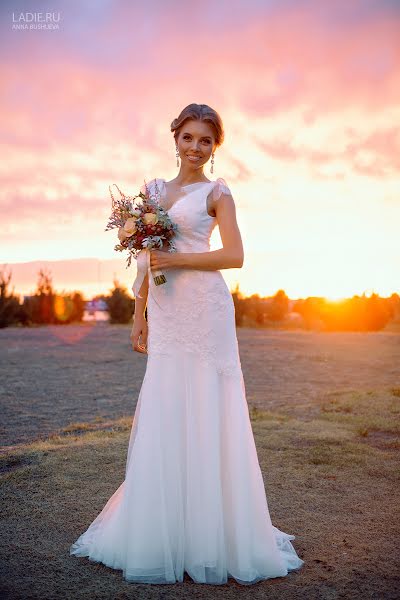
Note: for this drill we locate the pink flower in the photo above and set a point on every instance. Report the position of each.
(130, 227)
(122, 234)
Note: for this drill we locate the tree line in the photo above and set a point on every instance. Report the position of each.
(359, 313)
(48, 307)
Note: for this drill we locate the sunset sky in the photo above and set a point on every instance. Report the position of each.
(309, 93)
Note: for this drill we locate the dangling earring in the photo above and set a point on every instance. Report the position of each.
(177, 156)
(212, 163)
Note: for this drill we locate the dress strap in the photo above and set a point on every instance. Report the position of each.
(219, 188)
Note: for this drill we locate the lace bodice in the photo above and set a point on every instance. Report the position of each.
(194, 310)
(189, 211)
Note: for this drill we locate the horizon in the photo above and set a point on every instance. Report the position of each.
(27, 287)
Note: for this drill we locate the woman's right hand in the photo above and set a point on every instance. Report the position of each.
(139, 332)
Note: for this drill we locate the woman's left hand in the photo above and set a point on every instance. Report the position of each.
(162, 259)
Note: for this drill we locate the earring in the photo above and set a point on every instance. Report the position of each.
(212, 163)
(177, 156)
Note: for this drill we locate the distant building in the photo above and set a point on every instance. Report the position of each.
(96, 304)
(96, 310)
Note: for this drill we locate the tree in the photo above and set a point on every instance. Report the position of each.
(9, 304)
(120, 304)
(311, 309)
(278, 307)
(255, 308)
(79, 306)
(42, 304)
(46, 297)
(378, 313)
(239, 305)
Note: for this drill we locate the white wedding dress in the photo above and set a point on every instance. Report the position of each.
(193, 498)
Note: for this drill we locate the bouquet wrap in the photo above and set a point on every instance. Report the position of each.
(143, 267)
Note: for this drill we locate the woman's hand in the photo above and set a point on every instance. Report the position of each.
(162, 259)
(139, 330)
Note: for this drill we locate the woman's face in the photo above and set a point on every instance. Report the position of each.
(196, 139)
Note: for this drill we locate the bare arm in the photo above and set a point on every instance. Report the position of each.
(231, 256)
(140, 303)
(140, 330)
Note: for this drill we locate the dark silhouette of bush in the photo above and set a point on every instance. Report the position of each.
(310, 309)
(239, 306)
(9, 303)
(255, 309)
(79, 306)
(48, 307)
(39, 308)
(278, 308)
(120, 304)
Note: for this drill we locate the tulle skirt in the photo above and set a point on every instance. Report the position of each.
(193, 498)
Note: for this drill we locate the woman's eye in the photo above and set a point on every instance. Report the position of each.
(186, 137)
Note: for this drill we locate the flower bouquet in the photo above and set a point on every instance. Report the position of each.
(141, 226)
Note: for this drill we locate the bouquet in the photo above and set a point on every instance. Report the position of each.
(141, 226)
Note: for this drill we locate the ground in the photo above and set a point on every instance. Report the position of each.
(325, 415)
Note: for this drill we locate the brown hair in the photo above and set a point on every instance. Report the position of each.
(200, 112)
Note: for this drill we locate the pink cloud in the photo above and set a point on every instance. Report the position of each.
(114, 79)
(383, 147)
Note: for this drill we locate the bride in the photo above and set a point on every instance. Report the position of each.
(193, 498)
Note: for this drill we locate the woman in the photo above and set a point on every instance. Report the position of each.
(193, 498)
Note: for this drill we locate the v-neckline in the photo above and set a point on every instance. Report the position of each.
(164, 190)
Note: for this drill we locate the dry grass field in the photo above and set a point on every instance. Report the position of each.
(325, 416)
